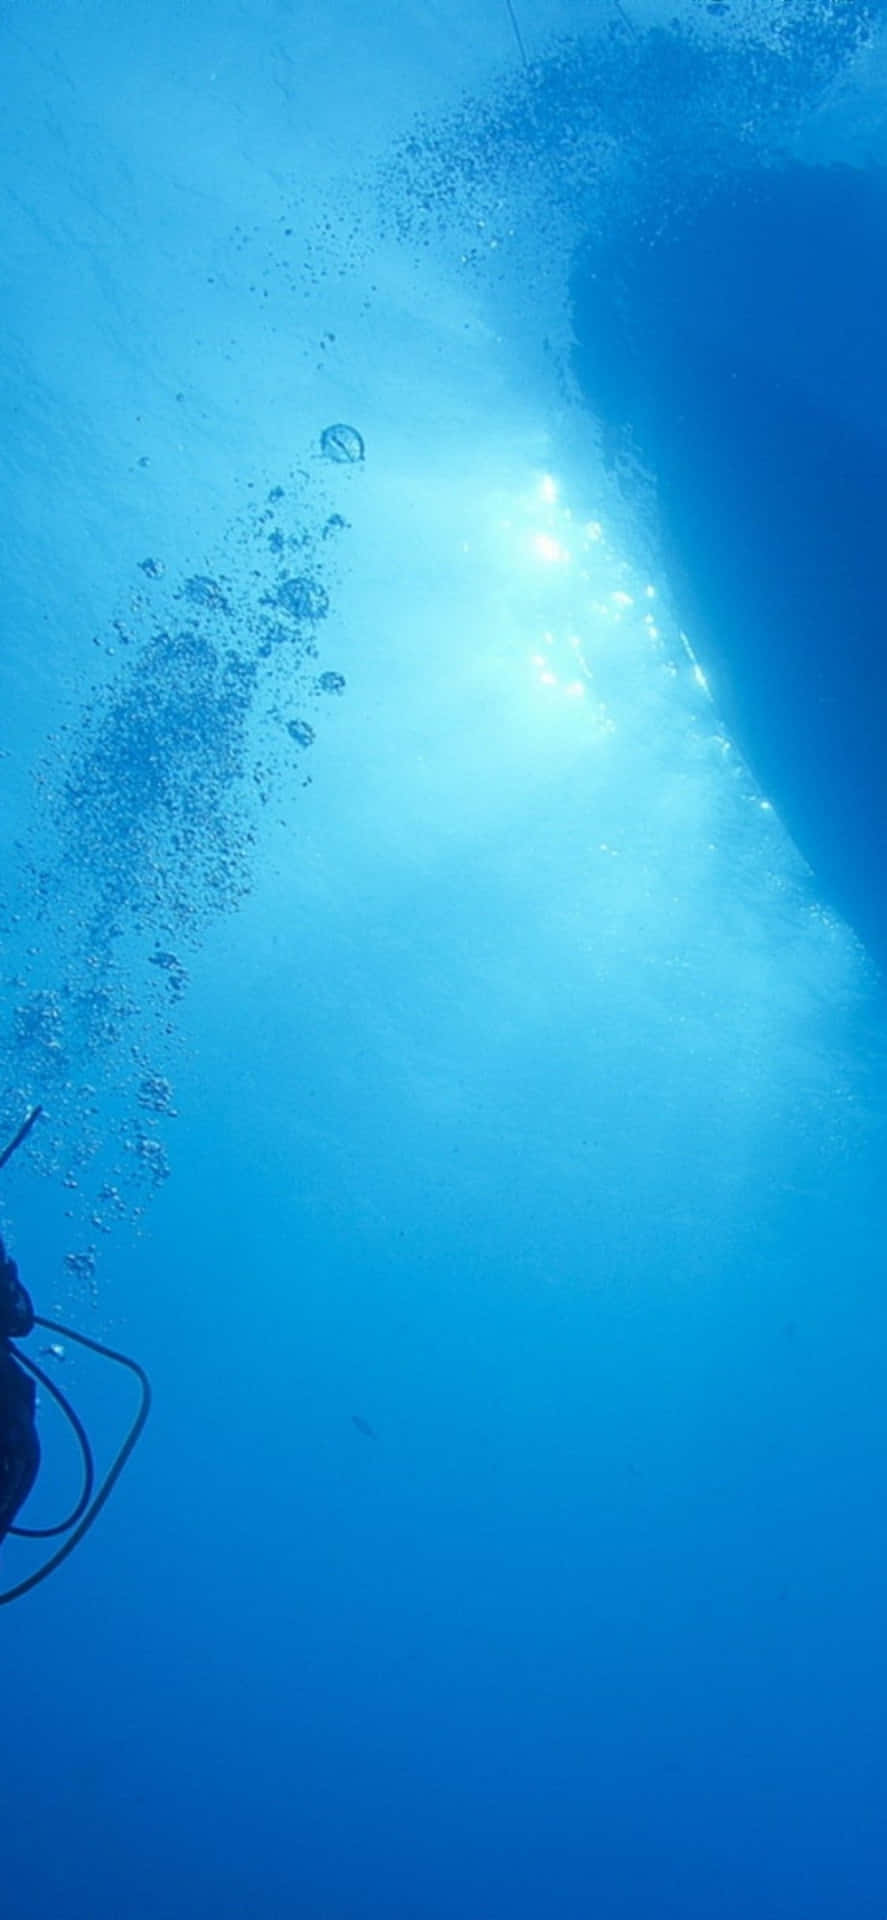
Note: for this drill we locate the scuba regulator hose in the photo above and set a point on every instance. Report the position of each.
(88, 1505)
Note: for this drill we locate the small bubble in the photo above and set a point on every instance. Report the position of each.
(343, 444)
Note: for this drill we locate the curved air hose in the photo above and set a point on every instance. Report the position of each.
(86, 1510)
(73, 1419)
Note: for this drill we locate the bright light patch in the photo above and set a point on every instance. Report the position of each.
(698, 674)
(593, 620)
(550, 550)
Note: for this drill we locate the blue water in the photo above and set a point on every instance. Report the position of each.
(461, 1093)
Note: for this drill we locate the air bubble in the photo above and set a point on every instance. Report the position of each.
(343, 444)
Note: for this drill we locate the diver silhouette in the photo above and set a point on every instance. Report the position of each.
(19, 1443)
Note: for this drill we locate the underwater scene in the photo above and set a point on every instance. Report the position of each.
(443, 940)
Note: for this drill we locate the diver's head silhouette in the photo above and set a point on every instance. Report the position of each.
(16, 1311)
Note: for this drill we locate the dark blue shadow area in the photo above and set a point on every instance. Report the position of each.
(740, 350)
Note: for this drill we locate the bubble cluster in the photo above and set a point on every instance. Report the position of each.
(156, 1096)
(81, 1265)
(599, 129)
(152, 1155)
(38, 1028)
(155, 811)
(176, 974)
(149, 812)
(304, 598)
(149, 807)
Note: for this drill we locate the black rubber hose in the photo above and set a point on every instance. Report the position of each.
(63, 1526)
(114, 1471)
(24, 1129)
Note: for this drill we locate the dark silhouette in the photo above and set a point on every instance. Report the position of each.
(19, 1445)
(738, 346)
